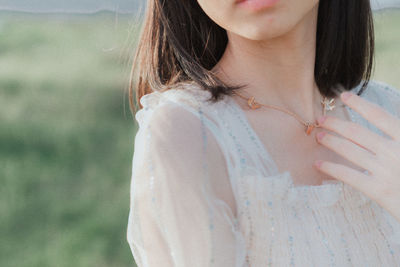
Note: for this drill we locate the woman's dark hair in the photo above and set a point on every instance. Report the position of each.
(179, 42)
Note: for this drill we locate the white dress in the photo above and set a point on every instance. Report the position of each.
(206, 192)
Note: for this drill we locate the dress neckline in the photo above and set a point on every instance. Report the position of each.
(267, 156)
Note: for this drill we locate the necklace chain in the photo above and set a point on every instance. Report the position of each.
(328, 104)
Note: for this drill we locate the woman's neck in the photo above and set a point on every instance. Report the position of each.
(279, 71)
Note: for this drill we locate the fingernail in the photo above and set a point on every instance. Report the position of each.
(318, 163)
(346, 95)
(320, 135)
(321, 119)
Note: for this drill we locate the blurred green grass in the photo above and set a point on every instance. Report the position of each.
(67, 136)
(387, 35)
(66, 140)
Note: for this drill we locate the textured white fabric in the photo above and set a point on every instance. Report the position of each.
(205, 192)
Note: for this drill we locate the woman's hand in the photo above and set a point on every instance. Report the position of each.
(378, 155)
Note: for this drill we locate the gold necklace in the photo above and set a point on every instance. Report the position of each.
(328, 104)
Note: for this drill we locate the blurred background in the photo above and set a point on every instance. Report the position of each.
(66, 132)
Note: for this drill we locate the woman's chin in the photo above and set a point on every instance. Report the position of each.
(262, 32)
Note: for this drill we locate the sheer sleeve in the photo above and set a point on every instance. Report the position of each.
(182, 209)
(389, 96)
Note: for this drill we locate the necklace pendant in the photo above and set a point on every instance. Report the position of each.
(252, 104)
(309, 129)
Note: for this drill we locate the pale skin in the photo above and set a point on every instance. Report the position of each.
(273, 51)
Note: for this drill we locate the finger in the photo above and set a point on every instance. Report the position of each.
(357, 133)
(354, 178)
(350, 151)
(375, 114)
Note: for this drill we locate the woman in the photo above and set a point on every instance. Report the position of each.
(227, 164)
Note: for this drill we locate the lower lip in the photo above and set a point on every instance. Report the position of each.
(255, 5)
